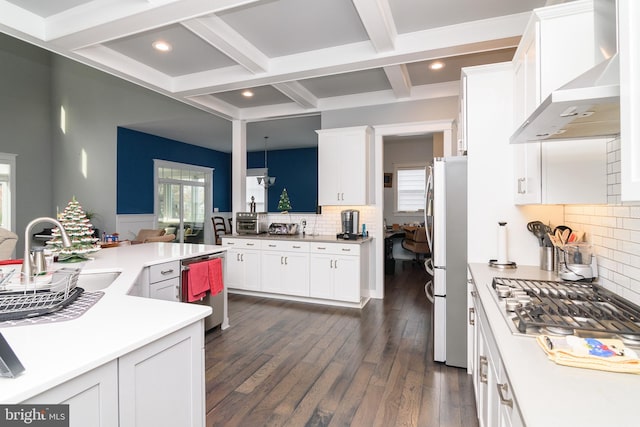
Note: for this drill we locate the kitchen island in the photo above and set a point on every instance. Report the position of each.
(104, 352)
(319, 269)
(544, 393)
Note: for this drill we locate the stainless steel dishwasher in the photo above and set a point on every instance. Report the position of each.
(216, 302)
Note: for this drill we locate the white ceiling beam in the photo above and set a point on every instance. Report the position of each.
(298, 93)
(439, 90)
(213, 104)
(219, 34)
(477, 36)
(378, 22)
(18, 19)
(77, 28)
(398, 76)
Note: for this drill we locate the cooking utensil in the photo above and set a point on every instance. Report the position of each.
(539, 229)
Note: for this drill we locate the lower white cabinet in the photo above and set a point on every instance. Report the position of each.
(92, 397)
(494, 399)
(164, 281)
(243, 263)
(335, 271)
(160, 384)
(285, 267)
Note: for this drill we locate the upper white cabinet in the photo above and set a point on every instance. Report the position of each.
(345, 166)
(629, 51)
(558, 45)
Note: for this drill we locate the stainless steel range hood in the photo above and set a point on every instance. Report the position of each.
(586, 107)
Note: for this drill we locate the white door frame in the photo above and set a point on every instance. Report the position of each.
(398, 129)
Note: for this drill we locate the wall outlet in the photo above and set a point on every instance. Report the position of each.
(303, 222)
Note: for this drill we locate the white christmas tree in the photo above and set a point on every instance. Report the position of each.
(80, 231)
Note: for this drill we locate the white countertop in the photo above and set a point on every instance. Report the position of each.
(117, 324)
(324, 238)
(550, 394)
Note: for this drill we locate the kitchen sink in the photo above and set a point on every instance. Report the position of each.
(95, 281)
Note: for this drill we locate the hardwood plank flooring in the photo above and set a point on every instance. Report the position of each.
(294, 364)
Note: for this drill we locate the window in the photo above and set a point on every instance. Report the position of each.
(7, 191)
(410, 188)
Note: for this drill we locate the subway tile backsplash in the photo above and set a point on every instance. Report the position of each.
(329, 222)
(614, 231)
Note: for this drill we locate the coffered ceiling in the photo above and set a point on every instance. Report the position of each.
(297, 57)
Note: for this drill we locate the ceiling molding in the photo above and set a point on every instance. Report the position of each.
(378, 22)
(216, 32)
(399, 79)
(298, 93)
(215, 105)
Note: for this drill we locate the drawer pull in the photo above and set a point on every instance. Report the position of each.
(165, 272)
(502, 390)
(483, 369)
(346, 250)
(472, 316)
(272, 246)
(251, 244)
(321, 248)
(296, 247)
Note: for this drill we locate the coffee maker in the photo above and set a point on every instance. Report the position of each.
(578, 263)
(350, 219)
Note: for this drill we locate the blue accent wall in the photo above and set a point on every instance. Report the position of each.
(296, 170)
(136, 151)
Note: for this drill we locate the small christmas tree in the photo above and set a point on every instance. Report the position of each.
(80, 231)
(284, 204)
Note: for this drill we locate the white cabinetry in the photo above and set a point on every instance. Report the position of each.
(160, 384)
(494, 400)
(164, 281)
(567, 171)
(92, 397)
(336, 271)
(629, 48)
(243, 263)
(285, 267)
(345, 166)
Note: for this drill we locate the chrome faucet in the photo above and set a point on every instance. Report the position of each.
(27, 268)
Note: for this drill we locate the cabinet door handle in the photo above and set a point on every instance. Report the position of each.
(242, 257)
(281, 258)
(472, 316)
(502, 390)
(330, 263)
(286, 260)
(338, 196)
(238, 257)
(483, 369)
(474, 294)
(335, 263)
(522, 190)
(342, 194)
(165, 272)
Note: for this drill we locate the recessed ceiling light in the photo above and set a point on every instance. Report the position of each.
(247, 94)
(161, 45)
(436, 65)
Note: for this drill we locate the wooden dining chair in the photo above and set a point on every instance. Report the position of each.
(219, 228)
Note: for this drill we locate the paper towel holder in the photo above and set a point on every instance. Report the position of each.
(503, 265)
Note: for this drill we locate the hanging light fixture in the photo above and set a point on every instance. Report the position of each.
(266, 181)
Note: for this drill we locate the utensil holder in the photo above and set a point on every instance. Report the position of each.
(547, 258)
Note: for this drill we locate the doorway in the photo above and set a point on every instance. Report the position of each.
(449, 148)
(183, 200)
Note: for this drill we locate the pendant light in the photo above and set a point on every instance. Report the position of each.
(266, 181)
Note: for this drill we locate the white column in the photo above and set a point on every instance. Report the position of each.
(238, 166)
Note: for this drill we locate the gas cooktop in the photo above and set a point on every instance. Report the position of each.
(533, 307)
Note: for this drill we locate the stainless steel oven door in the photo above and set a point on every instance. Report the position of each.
(244, 226)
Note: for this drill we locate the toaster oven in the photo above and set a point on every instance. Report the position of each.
(251, 222)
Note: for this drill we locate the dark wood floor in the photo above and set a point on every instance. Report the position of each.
(295, 364)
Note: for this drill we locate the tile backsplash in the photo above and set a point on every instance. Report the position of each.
(329, 222)
(614, 232)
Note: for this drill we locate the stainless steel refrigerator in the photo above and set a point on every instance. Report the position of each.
(447, 202)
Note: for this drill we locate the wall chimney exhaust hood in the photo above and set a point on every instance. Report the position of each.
(586, 107)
